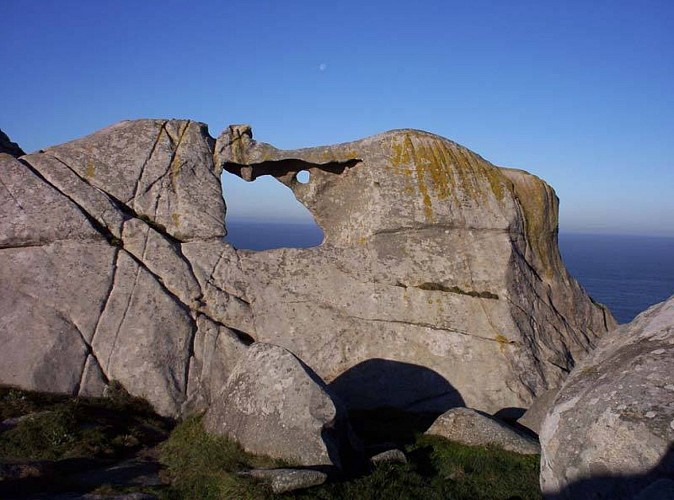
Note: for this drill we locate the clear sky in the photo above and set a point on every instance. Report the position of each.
(580, 93)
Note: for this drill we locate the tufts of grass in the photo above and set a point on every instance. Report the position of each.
(201, 465)
(54, 427)
(477, 472)
(440, 469)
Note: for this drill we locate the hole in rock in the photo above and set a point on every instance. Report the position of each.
(303, 177)
(265, 214)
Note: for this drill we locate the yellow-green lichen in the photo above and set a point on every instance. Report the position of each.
(90, 171)
(539, 220)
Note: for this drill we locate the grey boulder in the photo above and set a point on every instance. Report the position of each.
(95, 284)
(467, 426)
(275, 405)
(286, 480)
(610, 432)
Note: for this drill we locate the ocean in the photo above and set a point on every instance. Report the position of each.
(626, 273)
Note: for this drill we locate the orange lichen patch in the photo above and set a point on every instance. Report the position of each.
(539, 207)
(439, 167)
(502, 339)
(90, 171)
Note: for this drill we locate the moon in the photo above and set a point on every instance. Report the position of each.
(322, 67)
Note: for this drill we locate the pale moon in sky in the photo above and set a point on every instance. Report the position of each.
(322, 67)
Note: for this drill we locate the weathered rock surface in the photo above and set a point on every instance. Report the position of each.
(9, 147)
(112, 265)
(394, 455)
(433, 259)
(464, 425)
(610, 432)
(94, 284)
(274, 405)
(533, 418)
(286, 480)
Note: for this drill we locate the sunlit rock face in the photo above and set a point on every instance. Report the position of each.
(439, 281)
(610, 431)
(432, 258)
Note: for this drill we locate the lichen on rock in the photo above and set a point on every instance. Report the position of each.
(434, 260)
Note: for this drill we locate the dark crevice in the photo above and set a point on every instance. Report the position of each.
(243, 337)
(39, 244)
(105, 306)
(190, 355)
(434, 227)
(282, 168)
(162, 128)
(87, 345)
(439, 287)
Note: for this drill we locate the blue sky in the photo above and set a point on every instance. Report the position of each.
(580, 93)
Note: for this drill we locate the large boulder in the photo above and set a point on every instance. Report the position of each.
(437, 265)
(275, 405)
(467, 426)
(610, 432)
(94, 281)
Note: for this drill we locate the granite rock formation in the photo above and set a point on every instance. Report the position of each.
(610, 432)
(432, 258)
(113, 266)
(274, 405)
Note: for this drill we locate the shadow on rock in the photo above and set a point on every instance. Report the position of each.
(390, 401)
(656, 484)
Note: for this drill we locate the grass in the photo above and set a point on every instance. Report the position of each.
(204, 466)
(55, 427)
(198, 465)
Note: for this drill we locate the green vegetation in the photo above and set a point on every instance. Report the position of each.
(54, 427)
(203, 466)
(197, 465)
(440, 469)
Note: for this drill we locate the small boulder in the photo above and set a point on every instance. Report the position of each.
(395, 455)
(273, 404)
(286, 480)
(467, 426)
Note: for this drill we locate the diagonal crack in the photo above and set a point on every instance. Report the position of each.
(87, 345)
(113, 281)
(102, 229)
(11, 195)
(162, 128)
